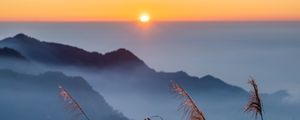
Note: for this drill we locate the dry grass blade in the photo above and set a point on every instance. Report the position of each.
(255, 104)
(71, 102)
(188, 105)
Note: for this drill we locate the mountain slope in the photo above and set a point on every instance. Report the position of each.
(35, 97)
(8, 53)
(64, 55)
(138, 91)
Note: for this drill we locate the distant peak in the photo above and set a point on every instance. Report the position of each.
(123, 55)
(122, 51)
(209, 76)
(8, 50)
(21, 35)
(10, 53)
(25, 38)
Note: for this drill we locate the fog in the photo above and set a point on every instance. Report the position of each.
(230, 51)
(138, 95)
(35, 97)
(269, 51)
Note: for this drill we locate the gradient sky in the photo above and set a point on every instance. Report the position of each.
(160, 10)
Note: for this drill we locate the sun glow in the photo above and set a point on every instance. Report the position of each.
(144, 18)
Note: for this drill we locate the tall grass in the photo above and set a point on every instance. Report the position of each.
(191, 111)
(71, 103)
(255, 104)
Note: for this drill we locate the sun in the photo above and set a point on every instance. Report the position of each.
(144, 18)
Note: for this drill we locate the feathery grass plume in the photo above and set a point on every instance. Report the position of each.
(255, 104)
(189, 107)
(71, 102)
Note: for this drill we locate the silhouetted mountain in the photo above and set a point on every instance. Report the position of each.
(13, 60)
(59, 54)
(36, 97)
(122, 76)
(11, 54)
(64, 55)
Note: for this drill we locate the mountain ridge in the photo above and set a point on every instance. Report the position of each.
(9, 53)
(71, 56)
(120, 58)
(122, 76)
(35, 97)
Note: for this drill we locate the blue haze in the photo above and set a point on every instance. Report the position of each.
(269, 51)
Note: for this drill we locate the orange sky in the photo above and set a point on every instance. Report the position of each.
(160, 10)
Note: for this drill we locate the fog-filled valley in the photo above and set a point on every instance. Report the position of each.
(32, 70)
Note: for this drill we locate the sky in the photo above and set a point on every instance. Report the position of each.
(159, 10)
(231, 51)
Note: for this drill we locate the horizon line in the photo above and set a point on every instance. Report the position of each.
(136, 21)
